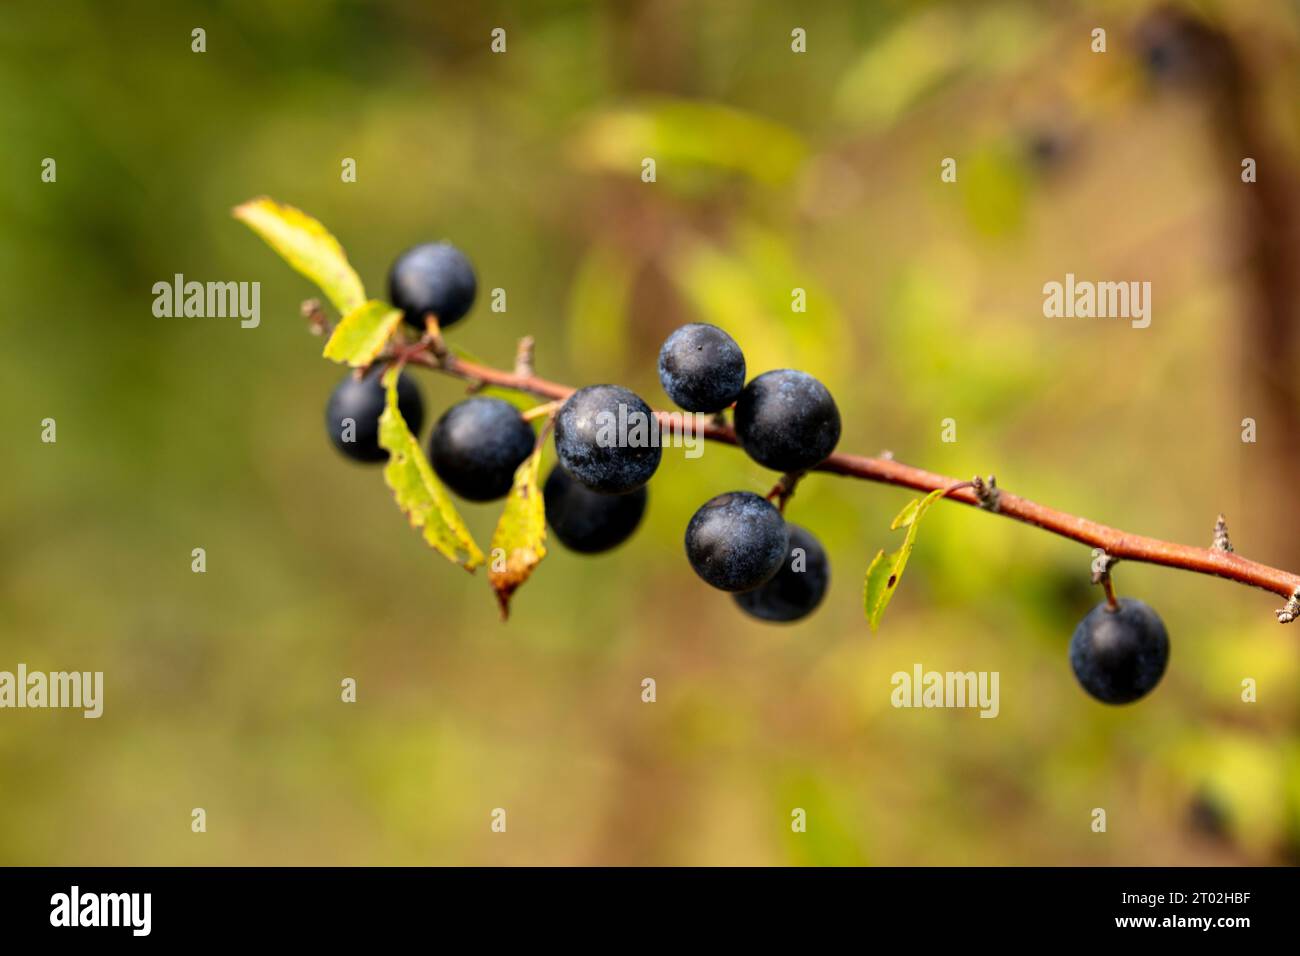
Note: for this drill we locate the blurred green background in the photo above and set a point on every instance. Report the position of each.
(775, 170)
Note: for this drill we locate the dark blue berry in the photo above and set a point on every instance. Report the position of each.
(737, 541)
(787, 420)
(586, 521)
(606, 437)
(794, 591)
(1119, 655)
(477, 445)
(432, 278)
(701, 368)
(361, 402)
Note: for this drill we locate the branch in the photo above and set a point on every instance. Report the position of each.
(1119, 545)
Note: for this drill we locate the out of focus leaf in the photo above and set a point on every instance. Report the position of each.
(690, 134)
(834, 834)
(519, 542)
(929, 49)
(596, 326)
(363, 333)
(417, 489)
(994, 187)
(895, 72)
(887, 570)
(307, 246)
(747, 289)
(1247, 779)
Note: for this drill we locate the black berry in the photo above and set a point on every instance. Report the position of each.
(736, 541)
(607, 438)
(587, 521)
(432, 278)
(352, 413)
(787, 420)
(701, 368)
(1119, 656)
(477, 445)
(797, 588)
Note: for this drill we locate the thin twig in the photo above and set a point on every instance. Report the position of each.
(1116, 543)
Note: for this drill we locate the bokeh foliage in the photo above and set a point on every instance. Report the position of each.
(775, 171)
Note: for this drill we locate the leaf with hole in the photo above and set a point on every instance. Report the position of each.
(887, 570)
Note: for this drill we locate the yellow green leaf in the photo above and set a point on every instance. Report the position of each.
(417, 489)
(596, 327)
(363, 333)
(887, 570)
(519, 542)
(307, 246)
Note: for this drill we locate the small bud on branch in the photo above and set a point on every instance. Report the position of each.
(1221, 542)
(986, 491)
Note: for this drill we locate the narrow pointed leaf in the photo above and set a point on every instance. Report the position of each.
(417, 489)
(886, 571)
(307, 246)
(519, 542)
(363, 333)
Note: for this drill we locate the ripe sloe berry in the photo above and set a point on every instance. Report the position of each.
(787, 420)
(477, 445)
(433, 277)
(701, 368)
(794, 591)
(586, 521)
(1119, 656)
(362, 402)
(737, 541)
(606, 438)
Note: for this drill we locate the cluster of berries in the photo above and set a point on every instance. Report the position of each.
(595, 497)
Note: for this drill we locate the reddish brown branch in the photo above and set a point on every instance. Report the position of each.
(1118, 544)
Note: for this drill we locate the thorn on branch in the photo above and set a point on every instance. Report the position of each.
(986, 491)
(1292, 610)
(314, 313)
(524, 357)
(1221, 542)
